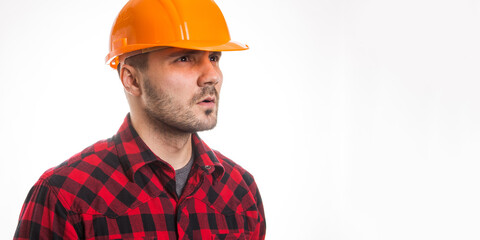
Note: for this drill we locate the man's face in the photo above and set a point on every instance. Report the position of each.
(181, 88)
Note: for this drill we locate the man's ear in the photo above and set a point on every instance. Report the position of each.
(130, 78)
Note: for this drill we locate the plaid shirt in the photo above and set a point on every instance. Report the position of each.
(119, 189)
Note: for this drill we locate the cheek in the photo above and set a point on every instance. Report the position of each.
(182, 87)
(220, 81)
(219, 86)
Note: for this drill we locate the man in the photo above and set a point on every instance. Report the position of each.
(154, 179)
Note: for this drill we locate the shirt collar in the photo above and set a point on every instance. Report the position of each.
(206, 158)
(133, 153)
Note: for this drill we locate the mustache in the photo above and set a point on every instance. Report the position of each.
(206, 91)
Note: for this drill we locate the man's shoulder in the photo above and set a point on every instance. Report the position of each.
(228, 163)
(90, 157)
(80, 176)
(233, 169)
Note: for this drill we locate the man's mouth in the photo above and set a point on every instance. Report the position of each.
(208, 100)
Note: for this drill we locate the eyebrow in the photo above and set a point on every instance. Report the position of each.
(189, 52)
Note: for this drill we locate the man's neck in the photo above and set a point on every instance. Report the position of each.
(170, 145)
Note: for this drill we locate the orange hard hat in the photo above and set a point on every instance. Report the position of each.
(148, 24)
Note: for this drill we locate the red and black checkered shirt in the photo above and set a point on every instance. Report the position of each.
(119, 189)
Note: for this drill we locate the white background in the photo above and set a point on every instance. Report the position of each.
(359, 119)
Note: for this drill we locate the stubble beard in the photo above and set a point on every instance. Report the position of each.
(166, 112)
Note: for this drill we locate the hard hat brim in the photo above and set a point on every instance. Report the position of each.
(194, 45)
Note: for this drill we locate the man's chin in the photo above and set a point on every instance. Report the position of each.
(202, 123)
(206, 120)
(206, 126)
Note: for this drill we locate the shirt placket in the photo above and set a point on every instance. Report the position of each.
(194, 182)
(166, 175)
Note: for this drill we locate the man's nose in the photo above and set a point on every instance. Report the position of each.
(210, 73)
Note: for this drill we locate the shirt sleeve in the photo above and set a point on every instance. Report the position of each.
(260, 229)
(262, 224)
(43, 216)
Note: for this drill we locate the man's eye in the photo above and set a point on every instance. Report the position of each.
(183, 59)
(214, 58)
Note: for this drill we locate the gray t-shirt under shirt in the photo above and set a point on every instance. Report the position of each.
(181, 176)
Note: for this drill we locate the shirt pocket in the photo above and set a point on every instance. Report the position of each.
(128, 227)
(211, 221)
(229, 236)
